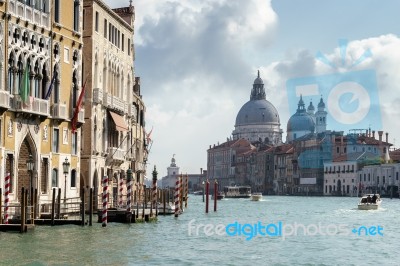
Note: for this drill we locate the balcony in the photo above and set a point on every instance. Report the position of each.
(132, 111)
(117, 104)
(81, 117)
(5, 103)
(115, 156)
(59, 111)
(33, 14)
(36, 106)
(98, 96)
(107, 99)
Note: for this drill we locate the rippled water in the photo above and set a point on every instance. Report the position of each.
(167, 242)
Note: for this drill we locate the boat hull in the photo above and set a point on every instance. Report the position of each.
(368, 206)
(256, 197)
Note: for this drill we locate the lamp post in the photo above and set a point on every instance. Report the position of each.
(66, 165)
(30, 165)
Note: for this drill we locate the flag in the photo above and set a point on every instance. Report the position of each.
(24, 86)
(78, 107)
(51, 86)
(148, 139)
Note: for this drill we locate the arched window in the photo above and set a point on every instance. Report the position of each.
(11, 62)
(44, 81)
(37, 80)
(74, 89)
(54, 178)
(73, 178)
(95, 133)
(20, 71)
(56, 85)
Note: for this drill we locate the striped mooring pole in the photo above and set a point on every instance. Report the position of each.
(105, 187)
(121, 183)
(6, 199)
(155, 204)
(177, 196)
(129, 191)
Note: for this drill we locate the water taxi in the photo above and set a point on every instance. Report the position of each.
(220, 196)
(369, 202)
(256, 196)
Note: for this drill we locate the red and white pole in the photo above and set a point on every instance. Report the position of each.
(105, 192)
(121, 183)
(177, 196)
(6, 200)
(129, 191)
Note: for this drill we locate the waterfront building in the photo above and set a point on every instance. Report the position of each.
(40, 88)
(172, 172)
(224, 161)
(114, 139)
(258, 119)
(381, 178)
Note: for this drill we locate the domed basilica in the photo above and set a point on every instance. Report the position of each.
(304, 121)
(258, 119)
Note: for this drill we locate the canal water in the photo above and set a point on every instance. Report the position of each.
(324, 236)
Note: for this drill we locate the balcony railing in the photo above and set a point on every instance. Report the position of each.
(107, 99)
(32, 14)
(98, 96)
(81, 115)
(116, 154)
(59, 111)
(34, 106)
(118, 104)
(5, 99)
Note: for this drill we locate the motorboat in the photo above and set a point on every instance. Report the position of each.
(220, 196)
(199, 192)
(237, 192)
(369, 202)
(256, 196)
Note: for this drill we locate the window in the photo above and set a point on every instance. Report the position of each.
(109, 31)
(123, 42)
(73, 178)
(76, 15)
(105, 28)
(44, 177)
(55, 139)
(83, 19)
(54, 178)
(10, 169)
(96, 25)
(66, 55)
(57, 11)
(129, 46)
(75, 143)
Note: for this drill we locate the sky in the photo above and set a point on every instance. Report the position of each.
(198, 59)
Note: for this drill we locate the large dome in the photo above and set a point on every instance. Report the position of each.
(300, 122)
(257, 112)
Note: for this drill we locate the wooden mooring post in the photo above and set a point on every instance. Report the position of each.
(91, 207)
(1, 206)
(83, 206)
(59, 204)
(23, 208)
(53, 206)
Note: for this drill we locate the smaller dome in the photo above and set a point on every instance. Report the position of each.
(321, 104)
(300, 122)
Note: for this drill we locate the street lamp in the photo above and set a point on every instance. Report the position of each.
(30, 165)
(66, 165)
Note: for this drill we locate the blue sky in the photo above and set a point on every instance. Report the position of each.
(197, 60)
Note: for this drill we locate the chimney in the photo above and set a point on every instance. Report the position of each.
(369, 132)
(387, 137)
(380, 132)
(373, 134)
(366, 133)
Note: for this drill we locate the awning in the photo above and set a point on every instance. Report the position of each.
(119, 122)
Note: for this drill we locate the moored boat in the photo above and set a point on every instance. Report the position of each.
(369, 202)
